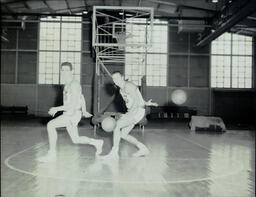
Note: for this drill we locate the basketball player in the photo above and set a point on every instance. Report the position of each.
(73, 108)
(135, 112)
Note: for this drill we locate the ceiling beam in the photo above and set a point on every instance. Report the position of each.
(73, 14)
(234, 19)
(162, 2)
(193, 4)
(38, 14)
(195, 8)
(52, 11)
(8, 9)
(10, 1)
(251, 18)
(85, 3)
(26, 5)
(67, 4)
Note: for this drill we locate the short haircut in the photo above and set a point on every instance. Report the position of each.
(117, 72)
(67, 64)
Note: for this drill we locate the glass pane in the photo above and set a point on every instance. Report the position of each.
(53, 34)
(222, 45)
(241, 64)
(49, 36)
(155, 65)
(220, 69)
(48, 65)
(71, 36)
(242, 45)
(241, 71)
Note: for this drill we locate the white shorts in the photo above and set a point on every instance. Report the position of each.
(74, 117)
(133, 117)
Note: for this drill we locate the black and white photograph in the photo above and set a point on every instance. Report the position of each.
(128, 98)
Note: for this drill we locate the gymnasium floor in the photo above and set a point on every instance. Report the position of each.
(181, 163)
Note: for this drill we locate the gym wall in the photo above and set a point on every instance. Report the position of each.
(188, 69)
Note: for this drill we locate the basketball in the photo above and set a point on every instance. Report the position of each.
(108, 124)
(179, 97)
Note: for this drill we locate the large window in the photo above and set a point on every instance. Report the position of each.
(152, 61)
(60, 41)
(231, 61)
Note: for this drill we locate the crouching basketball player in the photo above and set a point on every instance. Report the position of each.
(135, 112)
(74, 107)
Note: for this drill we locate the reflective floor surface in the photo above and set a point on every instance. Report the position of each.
(181, 163)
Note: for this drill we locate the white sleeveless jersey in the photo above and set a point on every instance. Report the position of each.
(131, 103)
(67, 94)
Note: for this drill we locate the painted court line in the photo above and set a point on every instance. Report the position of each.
(109, 181)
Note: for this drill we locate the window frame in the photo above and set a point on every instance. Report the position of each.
(231, 55)
(147, 54)
(60, 51)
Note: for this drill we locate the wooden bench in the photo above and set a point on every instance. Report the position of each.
(14, 109)
(172, 112)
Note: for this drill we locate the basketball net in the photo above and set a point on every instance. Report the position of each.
(121, 40)
(121, 37)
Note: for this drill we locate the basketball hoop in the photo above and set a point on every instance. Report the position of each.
(131, 22)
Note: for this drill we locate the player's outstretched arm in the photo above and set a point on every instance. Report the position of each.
(52, 111)
(150, 103)
(143, 102)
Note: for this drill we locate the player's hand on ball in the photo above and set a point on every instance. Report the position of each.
(87, 114)
(118, 116)
(150, 103)
(52, 111)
